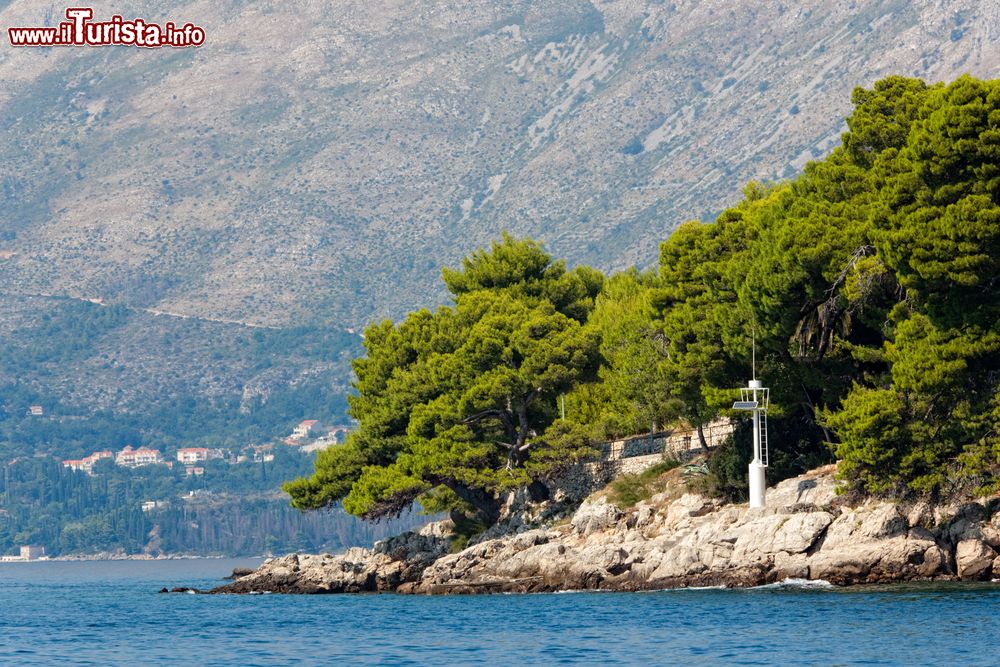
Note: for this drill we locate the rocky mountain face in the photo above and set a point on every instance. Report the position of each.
(673, 540)
(314, 164)
(316, 161)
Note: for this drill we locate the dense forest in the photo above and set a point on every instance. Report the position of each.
(198, 385)
(231, 510)
(869, 283)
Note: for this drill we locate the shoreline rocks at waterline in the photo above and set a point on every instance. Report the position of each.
(806, 532)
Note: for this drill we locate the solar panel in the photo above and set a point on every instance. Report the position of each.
(744, 405)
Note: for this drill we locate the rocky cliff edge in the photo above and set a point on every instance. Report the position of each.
(806, 532)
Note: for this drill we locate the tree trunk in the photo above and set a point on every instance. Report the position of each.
(811, 413)
(519, 453)
(701, 438)
(485, 503)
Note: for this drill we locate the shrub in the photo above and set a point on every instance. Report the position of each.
(629, 490)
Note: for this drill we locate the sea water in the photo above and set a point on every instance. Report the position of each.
(110, 613)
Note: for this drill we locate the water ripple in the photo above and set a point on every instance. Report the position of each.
(109, 613)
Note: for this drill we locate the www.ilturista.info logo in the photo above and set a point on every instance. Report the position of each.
(79, 30)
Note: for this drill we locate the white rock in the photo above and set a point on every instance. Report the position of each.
(974, 559)
(594, 516)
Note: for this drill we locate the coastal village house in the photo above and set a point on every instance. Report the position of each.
(262, 453)
(192, 455)
(303, 431)
(334, 436)
(133, 458)
(192, 458)
(86, 464)
(32, 552)
(305, 428)
(27, 552)
(150, 505)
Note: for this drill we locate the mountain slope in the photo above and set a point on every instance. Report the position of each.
(317, 163)
(108, 376)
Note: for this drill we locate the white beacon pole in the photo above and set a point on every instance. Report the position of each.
(758, 465)
(755, 399)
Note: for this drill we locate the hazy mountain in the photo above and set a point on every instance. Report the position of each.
(315, 163)
(318, 161)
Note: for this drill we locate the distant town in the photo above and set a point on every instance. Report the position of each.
(189, 515)
(309, 436)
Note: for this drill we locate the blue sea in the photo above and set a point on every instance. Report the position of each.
(109, 613)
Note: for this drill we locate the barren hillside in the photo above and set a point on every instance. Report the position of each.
(318, 161)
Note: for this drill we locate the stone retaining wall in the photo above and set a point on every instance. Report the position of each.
(631, 456)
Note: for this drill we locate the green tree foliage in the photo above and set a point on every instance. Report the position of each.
(633, 393)
(698, 311)
(456, 406)
(939, 222)
(869, 283)
(930, 424)
(882, 117)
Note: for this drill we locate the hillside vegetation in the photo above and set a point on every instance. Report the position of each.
(110, 376)
(230, 510)
(869, 283)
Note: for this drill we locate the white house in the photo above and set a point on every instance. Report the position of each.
(305, 429)
(191, 455)
(133, 458)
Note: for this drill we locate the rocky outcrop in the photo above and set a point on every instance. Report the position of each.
(695, 541)
(806, 532)
(385, 567)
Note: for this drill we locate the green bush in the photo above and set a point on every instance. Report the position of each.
(630, 490)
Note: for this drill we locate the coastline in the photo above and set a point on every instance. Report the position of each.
(674, 540)
(110, 557)
(116, 557)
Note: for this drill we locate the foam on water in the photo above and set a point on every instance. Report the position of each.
(793, 583)
(686, 589)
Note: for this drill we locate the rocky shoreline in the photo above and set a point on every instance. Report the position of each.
(670, 541)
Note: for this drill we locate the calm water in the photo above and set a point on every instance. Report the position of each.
(110, 614)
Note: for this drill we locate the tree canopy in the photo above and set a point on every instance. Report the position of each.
(457, 405)
(868, 283)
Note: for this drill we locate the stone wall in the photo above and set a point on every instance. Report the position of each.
(680, 444)
(631, 456)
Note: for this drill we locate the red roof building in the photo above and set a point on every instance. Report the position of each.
(304, 430)
(133, 458)
(86, 464)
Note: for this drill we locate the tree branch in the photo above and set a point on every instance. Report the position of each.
(482, 415)
(495, 413)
